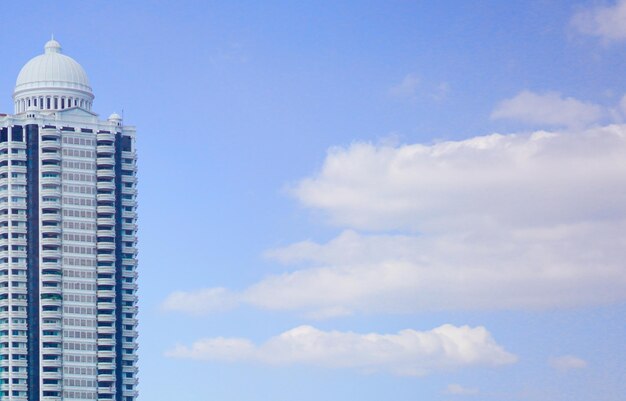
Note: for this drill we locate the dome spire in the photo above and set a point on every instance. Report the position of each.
(52, 46)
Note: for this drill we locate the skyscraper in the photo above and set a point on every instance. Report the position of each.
(68, 304)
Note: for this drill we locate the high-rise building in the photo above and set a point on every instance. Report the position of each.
(68, 303)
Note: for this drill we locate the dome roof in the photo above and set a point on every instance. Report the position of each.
(52, 70)
(115, 117)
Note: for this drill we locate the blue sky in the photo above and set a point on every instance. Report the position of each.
(366, 200)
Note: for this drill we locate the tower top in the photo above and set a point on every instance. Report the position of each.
(52, 46)
(52, 75)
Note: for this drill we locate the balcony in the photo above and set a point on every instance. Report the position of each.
(105, 173)
(106, 354)
(105, 150)
(51, 156)
(129, 178)
(106, 269)
(52, 278)
(52, 375)
(104, 222)
(105, 161)
(106, 293)
(50, 180)
(106, 258)
(106, 197)
(106, 281)
(50, 168)
(50, 230)
(105, 232)
(105, 209)
(106, 318)
(106, 245)
(51, 241)
(105, 137)
(106, 365)
(106, 378)
(52, 363)
(51, 253)
(110, 185)
(51, 191)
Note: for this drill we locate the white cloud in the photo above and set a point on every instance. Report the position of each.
(606, 22)
(407, 88)
(441, 91)
(567, 362)
(411, 85)
(525, 180)
(200, 302)
(548, 108)
(409, 352)
(566, 266)
(622, 105)
(500, 221)
(457, 389)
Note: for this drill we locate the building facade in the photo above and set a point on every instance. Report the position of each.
(68, 258)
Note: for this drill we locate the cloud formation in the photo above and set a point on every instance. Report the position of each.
(411, 85)
(567, 362)
(200, 302)
(549, 108)
(605, 22)
(533, 268)
(524, 180)
(457, 389)
(494, 222)
(409, 352)
(407, 88)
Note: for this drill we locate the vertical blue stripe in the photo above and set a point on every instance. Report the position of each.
(32, 249)
(118, 268)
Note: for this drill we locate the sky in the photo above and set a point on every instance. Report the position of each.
(394, 200)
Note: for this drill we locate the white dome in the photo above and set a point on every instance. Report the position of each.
(53, 74)
(52, 70)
